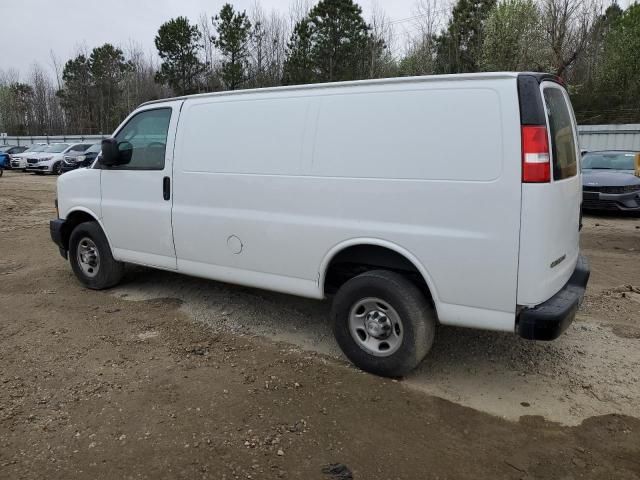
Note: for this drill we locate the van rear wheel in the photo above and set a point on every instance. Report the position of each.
(91, 258)
(383, 323)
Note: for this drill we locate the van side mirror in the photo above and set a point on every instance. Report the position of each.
(637, 161)
(109, 156)
(115, 153)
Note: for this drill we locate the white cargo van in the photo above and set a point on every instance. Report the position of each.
(416, 201)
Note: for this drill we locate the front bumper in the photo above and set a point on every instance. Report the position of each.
(548, 320)
(55, 229)
(67, 167)
(611, 201)
(38, 168)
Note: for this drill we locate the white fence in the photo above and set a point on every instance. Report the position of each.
(610, 137)
(592, 137)
(28, 140)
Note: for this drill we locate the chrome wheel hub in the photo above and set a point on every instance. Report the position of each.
(376, 327)
(378, 324)
(88, 257)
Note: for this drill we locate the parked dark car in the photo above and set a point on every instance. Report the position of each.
(6, 151)
(74, 160)
(609, 181)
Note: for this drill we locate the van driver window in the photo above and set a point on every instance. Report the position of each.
(146, 135)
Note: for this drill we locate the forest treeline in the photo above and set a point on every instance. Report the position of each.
(596, 50)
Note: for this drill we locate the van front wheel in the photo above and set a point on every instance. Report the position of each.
(383, 323)
(91, 258)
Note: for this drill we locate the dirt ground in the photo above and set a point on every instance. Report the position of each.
(175, 377)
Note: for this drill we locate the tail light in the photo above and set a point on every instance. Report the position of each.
(536, 167)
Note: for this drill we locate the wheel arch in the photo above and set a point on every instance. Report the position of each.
(395, 249)
(75, 217)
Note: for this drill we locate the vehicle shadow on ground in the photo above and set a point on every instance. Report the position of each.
(585, 372)
(308, 322)
(611, 214)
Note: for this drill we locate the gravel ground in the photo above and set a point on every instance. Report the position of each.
(175, 377)
(591, 370)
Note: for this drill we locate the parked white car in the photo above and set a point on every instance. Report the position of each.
(443, 199)
(50, 159)
(19, 160)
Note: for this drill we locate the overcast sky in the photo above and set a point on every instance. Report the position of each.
(33, 28)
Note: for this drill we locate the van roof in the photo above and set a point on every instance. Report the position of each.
(379, 81)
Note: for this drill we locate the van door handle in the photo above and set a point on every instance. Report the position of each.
(166, 188)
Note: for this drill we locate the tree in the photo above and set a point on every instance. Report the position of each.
(421, 58)
(138, 84)
(22, 96)
(381, 40)
(299, 65)
(108, 68)
(75, 96)
(267, 48)
(45, 110)
(234, 33)
(567, 26)
(619, 80)
(459, 48)
(332, 43)
(178, 46)
(513, 39)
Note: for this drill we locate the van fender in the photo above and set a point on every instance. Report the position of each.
(379, 243)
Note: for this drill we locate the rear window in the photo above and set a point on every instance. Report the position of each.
(563, 143)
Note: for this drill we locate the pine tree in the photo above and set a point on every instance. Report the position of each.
(459, 48)
(332, 43)
(108, 67)
(234, 34)
(178, 46)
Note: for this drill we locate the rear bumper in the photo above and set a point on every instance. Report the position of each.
(548, 320)
(55, 230)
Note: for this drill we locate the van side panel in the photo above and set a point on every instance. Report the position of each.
(433, 168)
(411, 135)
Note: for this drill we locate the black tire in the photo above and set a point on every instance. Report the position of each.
(55, 170)
(418, 321)
(108, 272)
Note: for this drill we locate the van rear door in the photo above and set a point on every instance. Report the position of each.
(551, 190)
